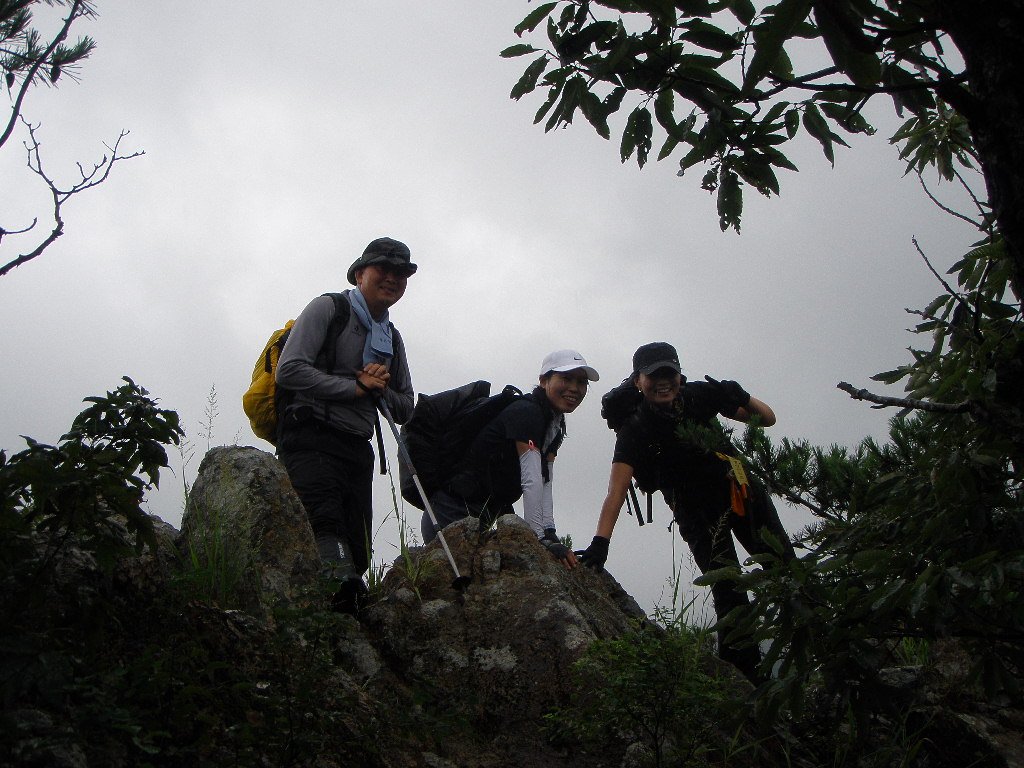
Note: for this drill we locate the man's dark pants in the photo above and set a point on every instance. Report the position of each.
(333, 474)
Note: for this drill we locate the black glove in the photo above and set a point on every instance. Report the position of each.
(735, 396)
(596, 554)
(557, 549)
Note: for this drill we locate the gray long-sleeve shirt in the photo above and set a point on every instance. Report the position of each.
(333, 394)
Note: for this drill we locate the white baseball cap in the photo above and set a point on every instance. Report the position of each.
(567, 360)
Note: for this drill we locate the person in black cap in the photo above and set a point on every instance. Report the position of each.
(330, 412)
(674, 443)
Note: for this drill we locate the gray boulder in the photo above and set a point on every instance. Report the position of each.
(500, 652)
(244, 520)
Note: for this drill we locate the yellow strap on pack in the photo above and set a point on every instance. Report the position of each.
(738, 471)
(738, 489)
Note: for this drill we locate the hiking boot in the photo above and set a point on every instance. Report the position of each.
(336, 556)
(350, 597)
(338, 565)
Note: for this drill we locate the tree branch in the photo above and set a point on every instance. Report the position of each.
(922, 84)
(903, 402)
(99, 173)
(946, 209)
(30, 76)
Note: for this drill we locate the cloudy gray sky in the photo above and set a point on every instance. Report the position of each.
(279, 140)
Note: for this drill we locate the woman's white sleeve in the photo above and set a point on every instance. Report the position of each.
(534, 492)
(548, 500)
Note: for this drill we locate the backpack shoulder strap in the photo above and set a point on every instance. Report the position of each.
(342, 313)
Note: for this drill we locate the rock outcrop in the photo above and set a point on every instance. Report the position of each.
(243, 512)
(499, 653)
(429, 675)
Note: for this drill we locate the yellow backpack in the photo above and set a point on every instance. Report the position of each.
(262, 401)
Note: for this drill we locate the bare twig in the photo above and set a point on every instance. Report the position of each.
(949, 289)
(89, 178)
(946, 208)
(903, 402)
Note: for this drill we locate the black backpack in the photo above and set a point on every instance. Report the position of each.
(618, 405)
(440, 431)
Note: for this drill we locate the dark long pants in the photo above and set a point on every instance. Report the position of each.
(708, 525)
(336, 491)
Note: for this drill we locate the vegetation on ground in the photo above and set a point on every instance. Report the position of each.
(919, 539)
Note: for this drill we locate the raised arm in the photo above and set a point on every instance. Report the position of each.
(618, 485)
(758, 408)
(746, 407)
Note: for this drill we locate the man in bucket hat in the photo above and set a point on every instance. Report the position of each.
(332, 382)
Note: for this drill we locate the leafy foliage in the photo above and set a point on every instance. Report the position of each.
(97, 474)
(718, 83)
(921, 538)
(99, 674)
(657, 687)
(918, 539)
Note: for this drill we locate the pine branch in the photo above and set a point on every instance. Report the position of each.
(903, 402)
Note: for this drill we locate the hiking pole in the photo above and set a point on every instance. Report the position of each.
(403, 453)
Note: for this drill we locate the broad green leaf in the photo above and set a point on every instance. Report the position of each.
(782, 66)
(613, 100)
(593, 110)
(815, 125)
(623, 6)
(689, 160)
(999, 310)
(771, 35)
(848, 118)
(792, 122)
(709, 36)
(664, 10)
(664, 110)
(729, 201)
(907, 93)
(743, 10)
(572, 95)
(848, 45)
(716, 575)
(520, 49)
(707, 75)
(867, 559)
(775, 112)
(759, 174)
(891, 377)
(535, 17)
(668, 147)
(528, 81)
(548, 103)
(695, 7)
(637, 136)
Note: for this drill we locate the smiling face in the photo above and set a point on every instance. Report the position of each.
(381, 286)
(660, 387)
(565, 389)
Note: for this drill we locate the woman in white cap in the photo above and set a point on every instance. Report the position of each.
(512, 456)
(670, 440)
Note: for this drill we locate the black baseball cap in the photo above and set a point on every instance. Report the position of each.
(651, 357)
(383, 250)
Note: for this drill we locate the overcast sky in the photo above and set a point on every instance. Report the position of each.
(281, 139)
